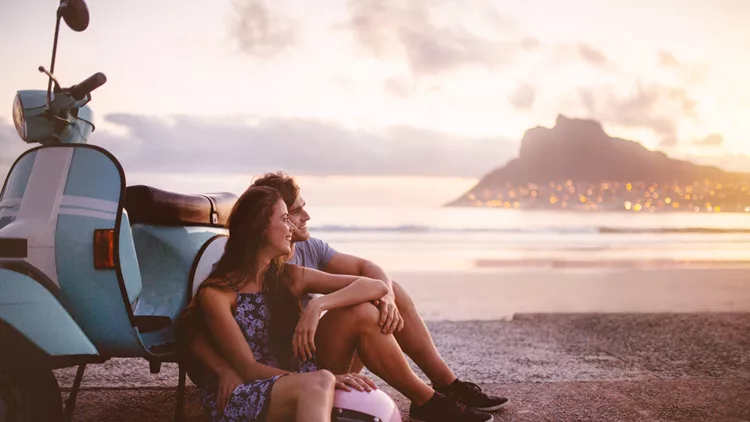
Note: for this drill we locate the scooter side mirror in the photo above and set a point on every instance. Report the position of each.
(75, 13)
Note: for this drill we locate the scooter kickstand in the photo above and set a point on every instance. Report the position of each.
(180, 411)
(71, 401)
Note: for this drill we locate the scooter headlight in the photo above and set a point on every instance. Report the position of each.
(19, 119)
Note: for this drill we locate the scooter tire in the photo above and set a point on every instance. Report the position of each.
(30, 395)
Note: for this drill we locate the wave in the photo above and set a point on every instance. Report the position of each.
(430, 229)
(700, 230)
(532, 230)
(611, 263)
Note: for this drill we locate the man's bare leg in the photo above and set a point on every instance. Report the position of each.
(344, 330)
(415, 340)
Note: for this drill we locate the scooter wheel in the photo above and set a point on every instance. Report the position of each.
(32, 395)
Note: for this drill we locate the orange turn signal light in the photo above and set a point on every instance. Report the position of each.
(104, 249)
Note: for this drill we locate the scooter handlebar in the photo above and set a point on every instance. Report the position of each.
(81, 90)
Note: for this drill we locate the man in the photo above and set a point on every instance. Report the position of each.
(398, 314)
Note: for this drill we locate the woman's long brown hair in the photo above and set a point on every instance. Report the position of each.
(248, 225)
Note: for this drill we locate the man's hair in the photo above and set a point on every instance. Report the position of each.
(283, 183)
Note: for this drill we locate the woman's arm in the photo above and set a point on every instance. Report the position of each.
(217, 308)
(341, 291)
(227, 379)
(308, 280)
(361, 290)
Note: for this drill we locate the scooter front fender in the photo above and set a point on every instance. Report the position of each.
(34, 312)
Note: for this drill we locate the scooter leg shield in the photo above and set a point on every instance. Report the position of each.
(34, 312)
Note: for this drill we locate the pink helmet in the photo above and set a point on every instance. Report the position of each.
(361, 406)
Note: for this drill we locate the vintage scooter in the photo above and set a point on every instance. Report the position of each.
(89, 269)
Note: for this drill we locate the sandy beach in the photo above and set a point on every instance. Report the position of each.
(581, 346)
(556, 367)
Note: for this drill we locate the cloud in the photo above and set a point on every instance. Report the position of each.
(11, 146)
(406, 29)
(183, 144)
(667, 59)
(399, 86)
(188, 144)
(653, 106)
(689, 74)
(712, 140)
(523, 97)
(592, 55)
(8, 140)
(730, 162)
(437, 37)
(259, 30)
(530, 43)
(669, 141)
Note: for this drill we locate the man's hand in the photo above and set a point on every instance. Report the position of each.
(390, 318)
(228, 381)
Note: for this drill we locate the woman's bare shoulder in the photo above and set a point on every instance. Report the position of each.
(215, 290)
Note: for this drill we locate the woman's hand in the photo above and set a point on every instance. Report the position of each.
(228, 381)
(303, 340)
(358, 382)
(391, 320)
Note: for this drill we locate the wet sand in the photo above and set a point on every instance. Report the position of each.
(497, 295)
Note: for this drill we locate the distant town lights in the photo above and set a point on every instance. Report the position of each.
(607, 195)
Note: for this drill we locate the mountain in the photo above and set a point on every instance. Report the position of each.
(579, 150)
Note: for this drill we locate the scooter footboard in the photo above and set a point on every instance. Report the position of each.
(34, 312)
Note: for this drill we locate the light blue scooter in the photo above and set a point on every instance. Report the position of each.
(89, 269)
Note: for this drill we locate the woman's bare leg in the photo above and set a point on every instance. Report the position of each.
(342, 331)
(302, 398)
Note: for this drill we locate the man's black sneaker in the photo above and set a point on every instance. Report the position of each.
(440, 408)
(472, 396)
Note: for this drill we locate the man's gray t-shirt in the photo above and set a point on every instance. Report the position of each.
(312, 253)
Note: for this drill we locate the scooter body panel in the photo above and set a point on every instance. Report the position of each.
(166, 256)
(101, 299)
(14, 188)
(35, 312)
(75, 190)
(71, 191)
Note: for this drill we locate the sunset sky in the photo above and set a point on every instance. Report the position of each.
(205, 94)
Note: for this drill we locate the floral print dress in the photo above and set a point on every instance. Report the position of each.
(249, 402)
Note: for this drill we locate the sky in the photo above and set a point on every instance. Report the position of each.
(384, 102)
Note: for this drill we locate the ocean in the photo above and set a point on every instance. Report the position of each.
(481, 239)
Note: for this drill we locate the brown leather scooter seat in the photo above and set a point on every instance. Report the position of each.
(149, 205)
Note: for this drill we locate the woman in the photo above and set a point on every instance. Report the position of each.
(286, 358)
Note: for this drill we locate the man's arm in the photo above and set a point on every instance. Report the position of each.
(342, 263)
(227, 378)
(207, 353)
